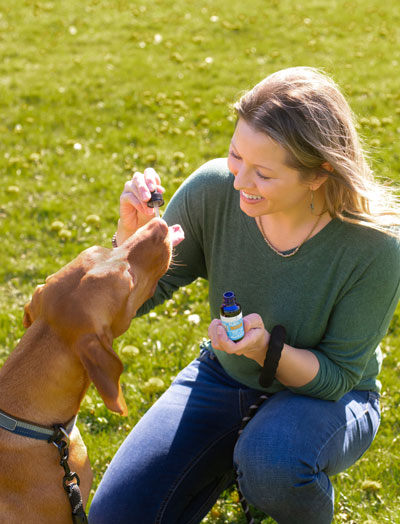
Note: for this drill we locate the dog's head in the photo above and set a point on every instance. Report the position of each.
(93, 299)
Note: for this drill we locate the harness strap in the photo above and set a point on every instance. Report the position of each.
(28, 429)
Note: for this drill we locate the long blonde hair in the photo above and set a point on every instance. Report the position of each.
(304, 111)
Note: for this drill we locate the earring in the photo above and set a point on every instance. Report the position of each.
(312, 202)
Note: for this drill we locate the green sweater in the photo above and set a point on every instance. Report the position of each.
(335, 297)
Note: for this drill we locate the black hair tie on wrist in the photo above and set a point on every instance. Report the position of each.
(275, 346)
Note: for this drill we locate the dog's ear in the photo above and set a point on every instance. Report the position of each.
(32, 308)
(104, 368)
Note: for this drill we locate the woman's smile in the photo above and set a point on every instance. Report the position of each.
(252, 198)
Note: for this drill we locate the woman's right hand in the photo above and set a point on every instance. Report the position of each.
(133, 210)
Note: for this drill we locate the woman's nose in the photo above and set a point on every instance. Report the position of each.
(242, 177)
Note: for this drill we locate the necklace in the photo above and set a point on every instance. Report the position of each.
(297, 248)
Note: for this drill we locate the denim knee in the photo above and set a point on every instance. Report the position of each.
(261, 472)
(289, 448)
(269, 467)
(280, 483)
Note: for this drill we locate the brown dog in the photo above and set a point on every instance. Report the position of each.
(72, 320)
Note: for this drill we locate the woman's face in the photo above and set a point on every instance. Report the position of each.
(266, 184)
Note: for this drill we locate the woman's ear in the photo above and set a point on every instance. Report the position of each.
(320, 176)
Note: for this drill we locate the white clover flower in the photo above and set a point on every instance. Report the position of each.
(194, 319)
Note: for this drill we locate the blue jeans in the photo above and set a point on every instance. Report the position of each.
(184, 452)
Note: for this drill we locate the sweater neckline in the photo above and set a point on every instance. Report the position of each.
(313, 242)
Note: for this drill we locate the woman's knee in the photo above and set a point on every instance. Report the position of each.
(282, 484)
(277, 463)
(262, 470)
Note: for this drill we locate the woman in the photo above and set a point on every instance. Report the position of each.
(295, 225)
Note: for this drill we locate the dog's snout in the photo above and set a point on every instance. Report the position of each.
(159, 224)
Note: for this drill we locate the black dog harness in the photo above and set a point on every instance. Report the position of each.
(59, 436)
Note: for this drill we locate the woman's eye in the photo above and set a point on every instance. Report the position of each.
(232, 153)
(237, 157)
(262, 176)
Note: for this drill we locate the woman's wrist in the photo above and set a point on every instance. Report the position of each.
(121, 235)
(260, 358)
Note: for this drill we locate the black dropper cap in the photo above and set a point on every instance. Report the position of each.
(156, 199)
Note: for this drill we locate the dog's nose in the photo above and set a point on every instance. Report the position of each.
(176, 234)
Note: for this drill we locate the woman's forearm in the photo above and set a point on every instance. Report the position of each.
(297, 367)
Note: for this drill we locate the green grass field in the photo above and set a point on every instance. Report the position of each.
(90, 91)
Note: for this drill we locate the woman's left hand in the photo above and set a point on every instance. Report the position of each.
(253, 345)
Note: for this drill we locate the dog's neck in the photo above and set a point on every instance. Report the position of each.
(43, 380)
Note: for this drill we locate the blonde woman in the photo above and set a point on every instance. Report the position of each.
(294, 223)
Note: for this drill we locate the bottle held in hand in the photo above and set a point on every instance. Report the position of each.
(231, 316)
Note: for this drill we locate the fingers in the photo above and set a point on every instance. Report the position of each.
(252, 345)
(219, 338)
(253, 321)
(144, 183)
(137, 192)
(134, 197)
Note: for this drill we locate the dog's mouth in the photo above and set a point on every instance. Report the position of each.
(176, 234)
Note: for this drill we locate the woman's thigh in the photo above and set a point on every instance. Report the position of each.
(288, 450)
(179, 456)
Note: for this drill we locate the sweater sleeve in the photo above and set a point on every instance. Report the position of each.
(357, 324)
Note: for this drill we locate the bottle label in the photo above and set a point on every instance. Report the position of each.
(233, 326)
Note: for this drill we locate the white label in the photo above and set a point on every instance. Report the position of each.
(233, 326)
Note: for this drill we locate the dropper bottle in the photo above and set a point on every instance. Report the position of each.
(156, 201)
(231, 316)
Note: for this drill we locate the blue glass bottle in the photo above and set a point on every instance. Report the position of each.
(231, 316)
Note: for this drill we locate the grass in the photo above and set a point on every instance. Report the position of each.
(90, 91)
